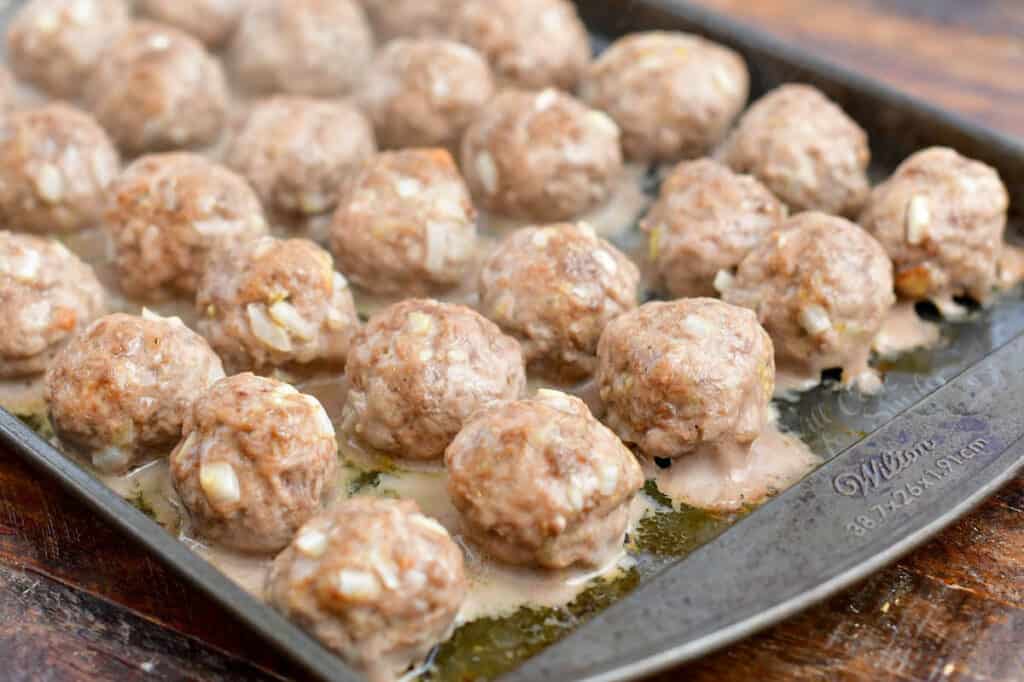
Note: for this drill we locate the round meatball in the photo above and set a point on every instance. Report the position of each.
(46, 296)
(119, 391)
(530, 43)
(257, 461)
(805, 149)
(405, 224)
(8, 90)
(212, 21)
(541, 156)
(705, 221)
(156, 88)
(941, 217)
(167, 211)
(55, 44)
(555, 289)
(542, 482)
(373, 579)
(306, 47)
(419, 369)
(821, 286)
(418, 18)
(425, 92)
(674, 95)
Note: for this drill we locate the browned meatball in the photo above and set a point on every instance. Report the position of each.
(373, 579)
(46, 296)
(541, 482)
(167, 211)
(8, 90)
(257, 461)
(705, 221)
(405, 224)
(212, 21)
(398, 18)
(119, 391)
(419, 369)
(541, 156)
(555, 288)
(805, 149)
(941, 217)
(674, 95)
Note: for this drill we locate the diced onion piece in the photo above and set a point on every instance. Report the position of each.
(487, 170)
(815, 319)
(408, 187)
(609, 473)
(49, 183)
(217, 227)
(545, 99)
(23, 267)
(724, 281)
(919, 218)
(286, 315)
(312, 543)
(265, 330)
(220, 482)
(697, 326)
(419, 323)
(427, 523)
(437, 247)
(606, 261)
(357, 585)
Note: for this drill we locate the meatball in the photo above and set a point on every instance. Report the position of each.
(821, 286)
(418, 18)
(530, 43)
(306, 47)
(298, 151)
(46, 296)
(119, 391)
(156, 88)
(374, 580)
(941, 217)
(425, 92)
(8, 90)
(542, 482)
(705, 221)
(211, 21)
(555, 289)
(684, 376)
(541, 156)
(167, 211)
(257, 461)
(805, 149)
(674, 95)
(419, 369)
(405, 224)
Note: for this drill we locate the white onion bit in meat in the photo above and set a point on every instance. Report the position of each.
(487, 170)
(815, 319)
(919, 218)
(220, 483)
(286, 315)
(265, 330)
(723, 281)
(312, 543)
(217, 227)
(357, 585)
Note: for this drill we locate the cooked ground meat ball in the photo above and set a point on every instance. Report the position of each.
(8, 90)
(541, 156)
(941, 217)
(425, 92)
(417, 18)
(542, 482)
(373, 579)
(119, 391)
(56, 164)
(705, 221)
(555, 288)
(156, 88)
(167, 211)
(405, 224)
(821, 286)
(305, 47)
(298, 151)
(257, 461)
(419, 369)
(805, 149)
(674, 95)
(681, 376)
(46, 296)
(212, 21)
(268, 303)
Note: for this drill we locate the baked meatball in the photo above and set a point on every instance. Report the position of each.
(419, 369)
(529, 43)
(212, 21)
(674, 95)
(46, 296)
(373, 579)
(268, 303)
(405, 224)
(8, 90)
(156, 88)
(119, 391)
(306, 47)
(684, 376)
(418, 18)
(542, 482)
(555, 289)
(821, 286)
(257, 461)
(425, 92)
(167, 211)
(705, 221)
(541, 156)
(805, 149)
(941, 218)
(298, 151)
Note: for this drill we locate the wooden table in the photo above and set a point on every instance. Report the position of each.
(79, 602)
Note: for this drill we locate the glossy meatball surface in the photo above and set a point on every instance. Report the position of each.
(211, 21)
